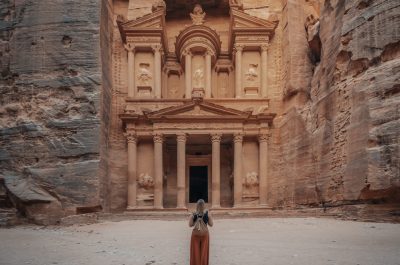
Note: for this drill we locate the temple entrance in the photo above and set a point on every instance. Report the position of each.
(198, 183)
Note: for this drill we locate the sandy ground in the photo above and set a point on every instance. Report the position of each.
(274, 241)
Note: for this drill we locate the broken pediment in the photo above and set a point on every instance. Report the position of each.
(241, 20)
(245, 28)
(151, 25)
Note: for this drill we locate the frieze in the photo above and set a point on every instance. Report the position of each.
(191, 126)
(135, 39)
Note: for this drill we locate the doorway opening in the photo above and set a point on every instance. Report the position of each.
(198, 183)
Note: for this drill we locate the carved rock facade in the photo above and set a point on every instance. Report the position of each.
(327, 69)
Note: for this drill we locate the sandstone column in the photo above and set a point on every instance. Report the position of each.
(263, 167)
(264, 70)
(131, 69)
(237, 171)
(158, 171)
(132, 167)
(157, 70)
(188, 74)
(238, 72)
(216, 170)
(181, 160)
(208, 75)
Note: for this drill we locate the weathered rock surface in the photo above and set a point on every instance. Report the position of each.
(49, 113)
(341, 144)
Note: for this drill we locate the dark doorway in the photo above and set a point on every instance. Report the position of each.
(198, 183)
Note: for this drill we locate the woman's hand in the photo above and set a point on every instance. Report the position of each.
(210, 219)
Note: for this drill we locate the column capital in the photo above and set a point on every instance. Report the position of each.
(238, 47)
(187, 52)
(156, 48)
(238, 137)
(129, 47)
(264, 137)
(209, 52)
(216, 137)
(264, 47)
(131, 137)
(181, 137)
(158, 137)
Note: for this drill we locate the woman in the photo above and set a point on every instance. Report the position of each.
(199, 243)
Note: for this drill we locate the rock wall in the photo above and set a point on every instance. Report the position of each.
(49, 115)
(339, 144)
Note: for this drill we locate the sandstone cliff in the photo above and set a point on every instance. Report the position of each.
(49, 114)
(339, 133)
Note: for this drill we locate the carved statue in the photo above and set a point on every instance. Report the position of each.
(144, 74)
(251, 179)
(198, 78)
(159, 4)
(145, 181)
(198, 15)
(252, 74)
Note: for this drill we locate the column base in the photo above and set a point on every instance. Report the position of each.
(215, 207)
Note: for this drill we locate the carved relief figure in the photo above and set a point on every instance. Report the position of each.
(145, 181)
(251, 179)
(144, 75)
(198, 77)
(252, 73)
(198, 15)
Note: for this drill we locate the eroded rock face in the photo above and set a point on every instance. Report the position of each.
(49, 114)
(345, 136)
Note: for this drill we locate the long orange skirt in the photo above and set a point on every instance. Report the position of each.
(199, 249)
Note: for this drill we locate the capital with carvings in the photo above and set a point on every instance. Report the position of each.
(264, 47)
(238, 47)
(156, 48)
(187, 52)
(238, 137)
(216, 137)
(264, 137)
(181, 137)
(131, 137)
(129, 47)
(158, 137)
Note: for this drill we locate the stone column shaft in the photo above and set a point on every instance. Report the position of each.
(158, 171)
(263, 168)
(157, 71)
(237, 171)
(208, 75)
(181, 160)
(188, 75)
(216, 170)
(132, 169)
(131, 69)
(238, 71)
(264, 70)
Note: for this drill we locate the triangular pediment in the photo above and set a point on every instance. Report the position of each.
(195, 110)
(242, 20)
(154, 20)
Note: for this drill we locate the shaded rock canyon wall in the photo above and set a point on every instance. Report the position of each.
(50, 105)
